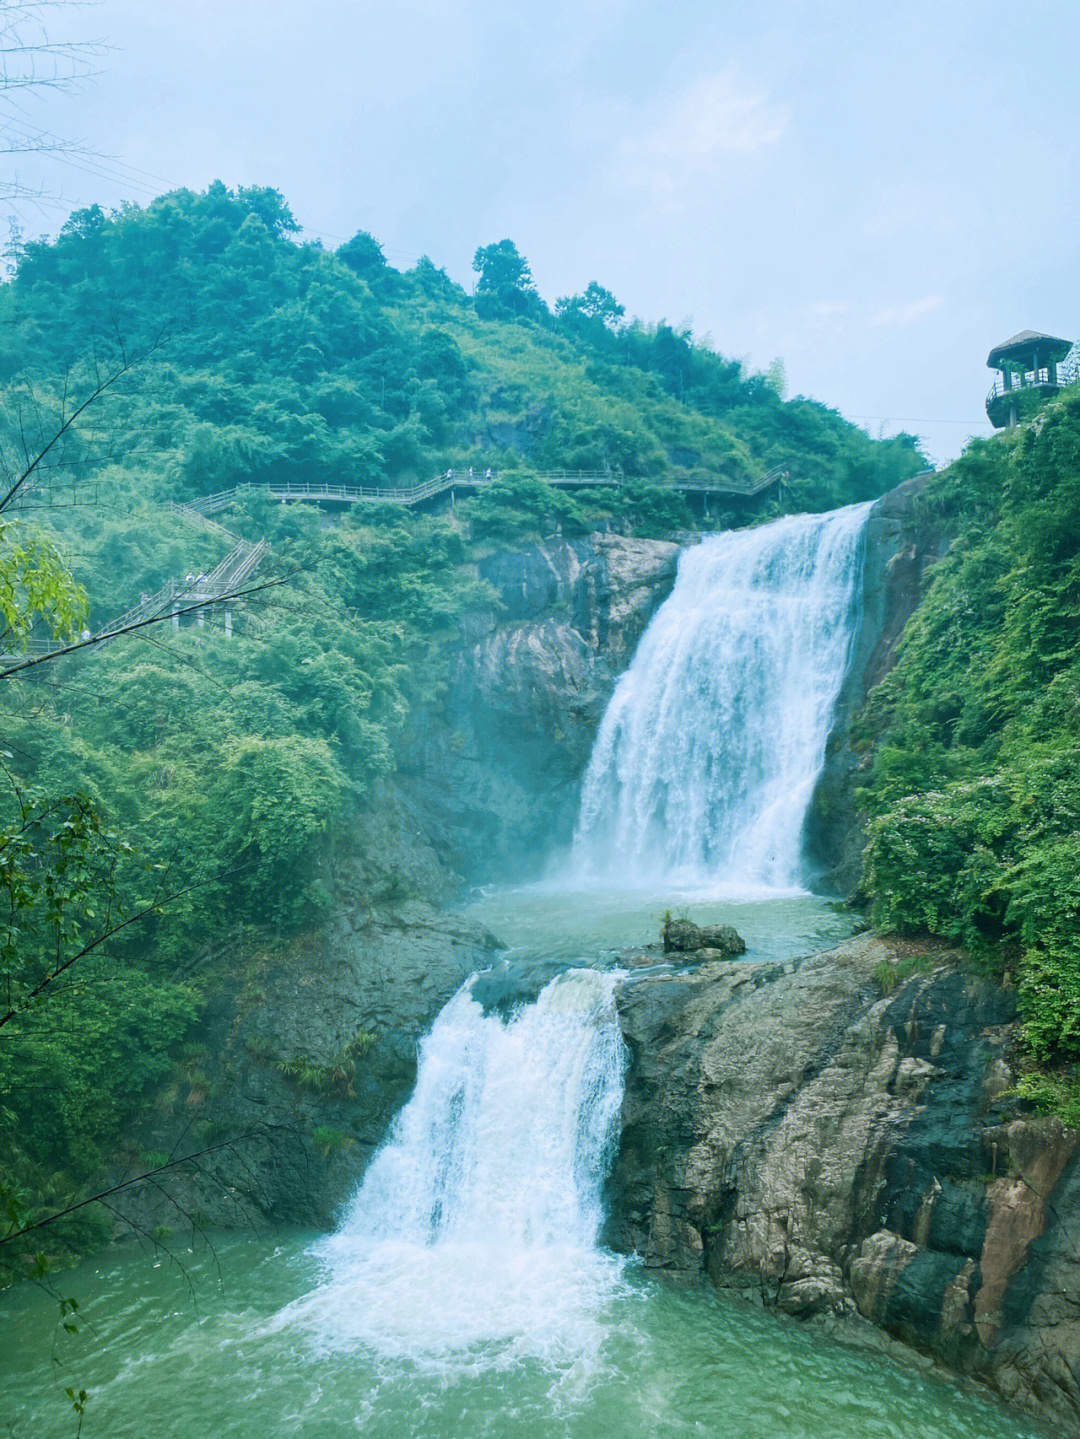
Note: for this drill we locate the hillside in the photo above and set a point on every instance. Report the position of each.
(208, 781)
(973, 741)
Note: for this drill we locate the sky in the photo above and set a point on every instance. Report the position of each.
(874, 194)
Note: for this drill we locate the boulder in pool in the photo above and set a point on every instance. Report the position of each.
(680, 936)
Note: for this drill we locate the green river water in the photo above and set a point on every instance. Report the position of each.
(198, 1353)
(282, 1335)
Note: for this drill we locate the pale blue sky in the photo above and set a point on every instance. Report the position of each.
(875, 194)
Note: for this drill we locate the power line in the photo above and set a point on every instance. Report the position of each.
(915, 420)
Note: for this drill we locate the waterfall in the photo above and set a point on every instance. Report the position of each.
(477, 1221)
(707, 756)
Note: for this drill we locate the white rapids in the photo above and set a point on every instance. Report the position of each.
(707, 758)
(476, 1226)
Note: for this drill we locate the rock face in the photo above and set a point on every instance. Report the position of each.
(901, 544)
(795, 1132)
(280, 1064)
(512, 738)
(491, 784)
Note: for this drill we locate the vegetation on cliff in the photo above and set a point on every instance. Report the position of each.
(217, 768)
(974, 794)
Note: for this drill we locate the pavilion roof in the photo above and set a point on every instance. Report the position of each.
(1050, 345)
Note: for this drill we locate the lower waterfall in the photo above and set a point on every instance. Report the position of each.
(707, 756)
(477, 1222)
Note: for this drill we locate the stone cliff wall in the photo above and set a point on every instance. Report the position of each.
(276, 1076)
(497, 768)
(794, 1132)
(489, 784)
(901, 545)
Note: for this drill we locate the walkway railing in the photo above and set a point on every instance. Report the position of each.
(245, 555)
(461, 480)
(1028, 380)
(175, 596)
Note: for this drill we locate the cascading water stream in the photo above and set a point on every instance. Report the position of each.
(474, 1235)
(707, 756)
(466, 1292)
(477, 1222)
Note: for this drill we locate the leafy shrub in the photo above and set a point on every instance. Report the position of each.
(974, 794)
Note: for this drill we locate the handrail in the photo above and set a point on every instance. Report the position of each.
(245, 555)
(189, 512)
(456, 479)
(237, 565)
(1018, 380)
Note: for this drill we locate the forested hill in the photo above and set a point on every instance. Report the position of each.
(188, 791)
(284, 361)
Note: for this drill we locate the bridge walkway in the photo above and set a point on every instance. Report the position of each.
(245, 555)
(452, 480)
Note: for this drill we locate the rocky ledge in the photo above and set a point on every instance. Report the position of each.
(834, 1136)
(510, 740)
(306, 1057)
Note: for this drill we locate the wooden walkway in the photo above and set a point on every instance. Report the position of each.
(182, 596)
(453, 480)
(175, 597)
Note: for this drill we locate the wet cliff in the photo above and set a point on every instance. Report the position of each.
(496, 767)
(307, 1049)
(902, 541)
(834, 1137)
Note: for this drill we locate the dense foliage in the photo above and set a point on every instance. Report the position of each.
(213, 770)
(975, 788)
(285, 361)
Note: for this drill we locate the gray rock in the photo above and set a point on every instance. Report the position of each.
(510, 740)
(843, 1153)
(297, 1151)
(680, 936)
(723, 938)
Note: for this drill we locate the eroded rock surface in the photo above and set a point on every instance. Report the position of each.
(281, 1077)
(682, 936)
(793, 1131)
(902, 542)
(512, 738)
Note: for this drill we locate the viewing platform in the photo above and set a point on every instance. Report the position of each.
(1031, 370)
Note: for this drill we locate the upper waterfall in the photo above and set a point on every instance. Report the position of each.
(707, 756)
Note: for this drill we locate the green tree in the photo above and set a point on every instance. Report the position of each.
(973, 795)
(505, 286)
(595, 304)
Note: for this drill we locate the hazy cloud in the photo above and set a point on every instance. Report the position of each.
(717, 116)
(894, 315)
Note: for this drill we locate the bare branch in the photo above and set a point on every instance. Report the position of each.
(68, 418)
(258, 1131)
(32, 661)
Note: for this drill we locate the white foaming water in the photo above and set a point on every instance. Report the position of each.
(476, 1225)
(707, 757)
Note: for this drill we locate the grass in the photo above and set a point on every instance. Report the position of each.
(891, 973)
